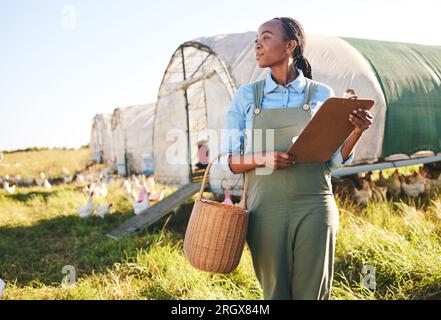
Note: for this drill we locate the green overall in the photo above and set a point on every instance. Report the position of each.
(293, 218)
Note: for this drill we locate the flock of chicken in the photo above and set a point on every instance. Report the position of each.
(361, 187)
(10, 184)
(140, 190)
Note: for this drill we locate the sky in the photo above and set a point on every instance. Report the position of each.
(62, 62)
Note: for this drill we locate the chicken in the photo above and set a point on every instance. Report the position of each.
(141, 203)
(139, 207)
(2, 287)
(9, 189)
(422, 177)
(137, 184)
(46, 184)
(151, 186)
(67, 179)
(127, 188)
(227, 197)
(157, 196)
(40, 181)
(394, 184)
(381, 182)
(103, 209)
(88, 209)
(101, 190)
(435, 183)
(412, 189)
(80, 178)
(379, 188)
(363, 195)
(416, 178)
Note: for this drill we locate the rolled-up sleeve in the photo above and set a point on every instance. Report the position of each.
(337, 160)
(233, 133)
(323, 93)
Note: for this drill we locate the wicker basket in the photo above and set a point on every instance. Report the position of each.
(216, 233)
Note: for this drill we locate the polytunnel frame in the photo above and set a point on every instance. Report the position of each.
(117, 115)
(97, 137)
(199, 46)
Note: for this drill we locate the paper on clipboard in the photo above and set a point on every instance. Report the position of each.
(327, 130)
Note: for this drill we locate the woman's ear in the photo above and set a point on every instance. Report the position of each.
(292, 44)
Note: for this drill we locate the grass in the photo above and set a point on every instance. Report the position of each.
(40, 232)
(401, 241)
(50, 161)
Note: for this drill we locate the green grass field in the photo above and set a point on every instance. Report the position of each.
(40, 233)
(50, 161)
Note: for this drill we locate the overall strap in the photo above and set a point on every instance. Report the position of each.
(310, 89)
(258, 87)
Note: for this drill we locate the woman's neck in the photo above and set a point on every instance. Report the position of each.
(284, 74)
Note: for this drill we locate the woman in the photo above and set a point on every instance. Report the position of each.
(293, 215)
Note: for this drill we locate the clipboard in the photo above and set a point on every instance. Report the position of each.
(327, 130)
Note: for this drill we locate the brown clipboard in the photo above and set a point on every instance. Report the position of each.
(327, 130)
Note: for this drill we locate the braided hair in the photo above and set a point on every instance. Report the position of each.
(294, 31)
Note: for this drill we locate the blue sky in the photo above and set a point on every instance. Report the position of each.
(61, 62)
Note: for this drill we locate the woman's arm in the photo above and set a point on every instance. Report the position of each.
(275, 160)
(362, 120)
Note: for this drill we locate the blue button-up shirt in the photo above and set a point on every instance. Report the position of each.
(291, 95)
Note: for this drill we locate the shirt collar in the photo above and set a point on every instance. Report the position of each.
(298, 84)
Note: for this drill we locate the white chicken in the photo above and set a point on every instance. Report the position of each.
(141, 203)
(412, 189)
(46, 184)
(363, 195)
(40, 181)
(158, 196)
(2, 287)
(80, 178)
(127, 188)
(9, 189)
(136, 182)
(67, 179)
(88, 209)
(151, 186)
(103, 209)
(101, 190)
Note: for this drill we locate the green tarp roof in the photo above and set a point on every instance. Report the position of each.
(410, 76)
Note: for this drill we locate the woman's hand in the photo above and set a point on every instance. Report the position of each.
(361, 119)
(275, 160)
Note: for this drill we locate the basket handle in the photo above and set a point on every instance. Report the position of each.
(204, 181)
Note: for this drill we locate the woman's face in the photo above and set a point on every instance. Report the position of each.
(271, 49)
